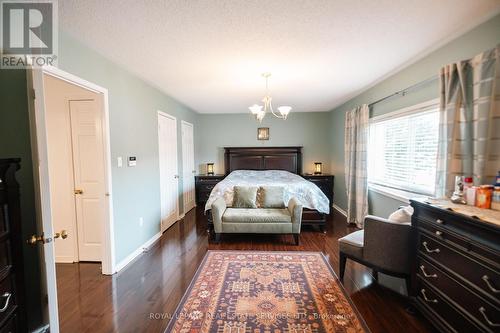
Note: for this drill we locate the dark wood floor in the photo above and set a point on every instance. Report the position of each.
(141, 297)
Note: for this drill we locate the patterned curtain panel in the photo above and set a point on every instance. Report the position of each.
(356, 140)
(469, 132)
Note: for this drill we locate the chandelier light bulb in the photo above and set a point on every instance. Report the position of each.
(284, 110)
(255, 109)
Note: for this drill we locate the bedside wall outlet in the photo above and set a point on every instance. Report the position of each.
(141, 221)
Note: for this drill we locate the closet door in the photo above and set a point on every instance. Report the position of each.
(188, 165)
(169, 178)
(88, 169)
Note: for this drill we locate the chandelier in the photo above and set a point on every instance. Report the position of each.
(260, 111)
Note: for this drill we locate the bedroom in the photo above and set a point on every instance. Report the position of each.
(169, 85)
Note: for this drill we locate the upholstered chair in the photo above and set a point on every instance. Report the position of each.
(383, 246)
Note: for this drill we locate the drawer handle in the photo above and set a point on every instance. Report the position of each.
(439, 221)
(437, 250)
(483, 312)
(422, 268)
(7, 297)
(489, 284)
(426, 299)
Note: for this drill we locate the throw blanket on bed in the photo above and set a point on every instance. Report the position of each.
(308, 194)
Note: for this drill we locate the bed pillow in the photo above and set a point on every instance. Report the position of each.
(245, 197)
(272, 197)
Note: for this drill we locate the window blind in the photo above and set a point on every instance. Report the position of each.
(402, 151)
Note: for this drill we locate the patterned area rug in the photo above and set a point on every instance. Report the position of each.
(265, 292)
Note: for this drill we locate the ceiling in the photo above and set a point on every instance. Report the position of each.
(209, 54)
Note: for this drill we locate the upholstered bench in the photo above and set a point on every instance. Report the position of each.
(257, 220)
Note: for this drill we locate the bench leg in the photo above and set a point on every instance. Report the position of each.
(296, 238)
(342, 262)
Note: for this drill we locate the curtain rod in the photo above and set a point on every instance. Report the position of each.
(404, 91)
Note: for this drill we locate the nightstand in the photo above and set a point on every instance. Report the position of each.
(204, 185)
(325, 184)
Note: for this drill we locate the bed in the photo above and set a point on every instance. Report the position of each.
(280, 166)
(307, 193)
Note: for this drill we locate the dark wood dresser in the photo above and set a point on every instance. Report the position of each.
(325, 183)
(456, 275)
(204, 185)
(12, 316)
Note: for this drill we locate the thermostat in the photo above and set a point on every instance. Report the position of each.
(132, 161)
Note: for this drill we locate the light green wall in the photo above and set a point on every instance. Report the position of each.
(483, 37)
(307, 129)
(133, 106)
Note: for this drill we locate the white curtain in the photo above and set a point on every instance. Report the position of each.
(356, 140)
(469, 132)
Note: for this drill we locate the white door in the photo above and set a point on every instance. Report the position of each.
(188, 165)
(42, 199)
(88, 168)
(169, 178)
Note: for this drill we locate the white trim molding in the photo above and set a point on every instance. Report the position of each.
(395, 194)
(140, 250)
(108, 244)
(340, 210)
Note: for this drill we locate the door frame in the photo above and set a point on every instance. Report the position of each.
(164, 114)
(108, 239)
(184, 122)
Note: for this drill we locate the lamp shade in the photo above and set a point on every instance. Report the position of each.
(210, 168)
(318, 168)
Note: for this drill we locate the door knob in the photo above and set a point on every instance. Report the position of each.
(78, 192)
(34, 239)
(63, 234)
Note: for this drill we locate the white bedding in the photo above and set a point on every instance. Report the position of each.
(308, 194)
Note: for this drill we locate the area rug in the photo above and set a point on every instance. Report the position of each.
(265, 292)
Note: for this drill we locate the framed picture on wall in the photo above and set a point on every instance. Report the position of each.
(263, 133)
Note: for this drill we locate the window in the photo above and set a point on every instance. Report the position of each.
(402, 149)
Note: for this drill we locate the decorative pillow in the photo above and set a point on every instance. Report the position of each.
(245, 197)
(402, 215)
(272, 197)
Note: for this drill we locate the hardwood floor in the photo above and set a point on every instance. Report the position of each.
(141, 297)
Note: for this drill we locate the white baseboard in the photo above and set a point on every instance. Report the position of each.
(340, 210)
(64, 259)
(141, 249)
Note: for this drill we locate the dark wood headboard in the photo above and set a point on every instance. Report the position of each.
(263, 158)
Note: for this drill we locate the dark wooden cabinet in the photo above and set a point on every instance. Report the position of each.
(325, 183)
(11, 258)
(204, 185)
(456, 276)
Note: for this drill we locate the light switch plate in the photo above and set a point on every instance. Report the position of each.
(120, 161)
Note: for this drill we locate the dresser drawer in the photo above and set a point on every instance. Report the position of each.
(5, 256)
(429, 300)
(450, 236)
(203, 196)
(469, 228)
(482, 311)
(206, 187)
(7, 298)
(477, 275)
(10, 326)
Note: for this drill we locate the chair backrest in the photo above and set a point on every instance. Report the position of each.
(387, 244)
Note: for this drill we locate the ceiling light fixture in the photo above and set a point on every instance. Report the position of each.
(260, 113)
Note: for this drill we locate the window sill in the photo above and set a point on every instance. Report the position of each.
(399, 195)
